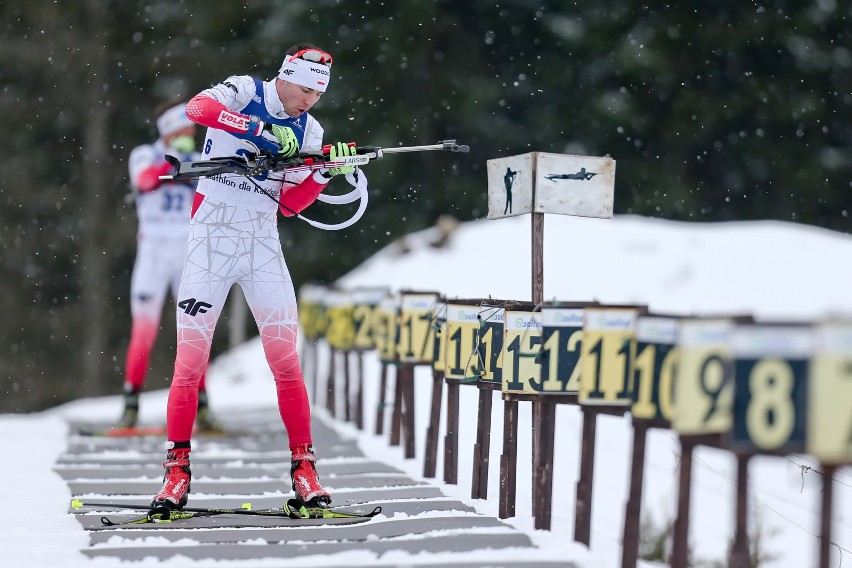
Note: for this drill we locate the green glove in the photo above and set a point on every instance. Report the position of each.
(341, 150)
(287, 138)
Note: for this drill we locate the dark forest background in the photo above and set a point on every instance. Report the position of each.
(714, 111)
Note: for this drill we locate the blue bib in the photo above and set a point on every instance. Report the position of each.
(257, 108)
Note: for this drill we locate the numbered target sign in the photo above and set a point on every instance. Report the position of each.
(606, 364)
(829, 431)
(312, 317)
(654, 369)
(462, 335)
(341, 331)
(416, 332)
(770, 386)
(439, 353)
(364, 315)
(521, 344)
(387, 328)
(490, 346)
(704, 389)
(559, 358)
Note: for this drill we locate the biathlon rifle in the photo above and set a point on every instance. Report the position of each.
(261, 163)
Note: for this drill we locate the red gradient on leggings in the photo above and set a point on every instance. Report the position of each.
(143, 334)
(279, 345)
(194, 337)
(278, 336)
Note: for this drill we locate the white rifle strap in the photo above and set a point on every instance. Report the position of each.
(358, 181)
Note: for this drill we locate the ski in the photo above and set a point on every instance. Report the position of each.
(151, 517)
(142, 431)
(292, 509)
(121, 431)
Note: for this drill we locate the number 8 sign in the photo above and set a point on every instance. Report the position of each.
(770, 378)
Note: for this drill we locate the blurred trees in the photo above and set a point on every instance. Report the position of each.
(714, 111)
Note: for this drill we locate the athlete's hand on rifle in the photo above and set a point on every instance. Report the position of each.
(287, 139)
(288, 144)
(341, 150)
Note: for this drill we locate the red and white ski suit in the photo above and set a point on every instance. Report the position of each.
(162, 210)
(233, 239)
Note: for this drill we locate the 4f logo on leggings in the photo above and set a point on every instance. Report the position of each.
(192, 307)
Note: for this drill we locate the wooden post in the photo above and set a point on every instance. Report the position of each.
(509, 460)
(537, 258)
(330, 390)
(359, 393)
(430, 453)
(451, 438)
(544, 468)
(537, 298)
(535, 439)
(825, 523)
(633, 511)
(347, 402)
(739, 556)
(396, 412)
(680, 538)
(380, 405)
(406, 380)
(237, 318)
(482, 447)
(583, 504)
(308, 370)
(315, 366)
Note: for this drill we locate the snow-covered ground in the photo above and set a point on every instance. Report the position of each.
(772, 270)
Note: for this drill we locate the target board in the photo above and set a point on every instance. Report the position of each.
(539, 182)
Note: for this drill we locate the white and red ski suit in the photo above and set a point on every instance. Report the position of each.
(233, 239)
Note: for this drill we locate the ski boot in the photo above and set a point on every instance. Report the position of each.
(176, 480)
(205, 423)
(130, 416)
(303, 474)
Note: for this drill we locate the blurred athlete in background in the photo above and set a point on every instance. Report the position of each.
(163, 210)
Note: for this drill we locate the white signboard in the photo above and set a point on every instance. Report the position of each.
(538, 182)
(574, 185)
(510, 186)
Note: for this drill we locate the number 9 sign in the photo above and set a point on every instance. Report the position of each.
(704, 390)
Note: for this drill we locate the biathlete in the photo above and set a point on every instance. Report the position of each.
(234, 240)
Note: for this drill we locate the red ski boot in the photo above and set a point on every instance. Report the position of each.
(175, 491)
(304, 476)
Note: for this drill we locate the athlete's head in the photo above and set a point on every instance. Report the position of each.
(303, 78)
(175, 129)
